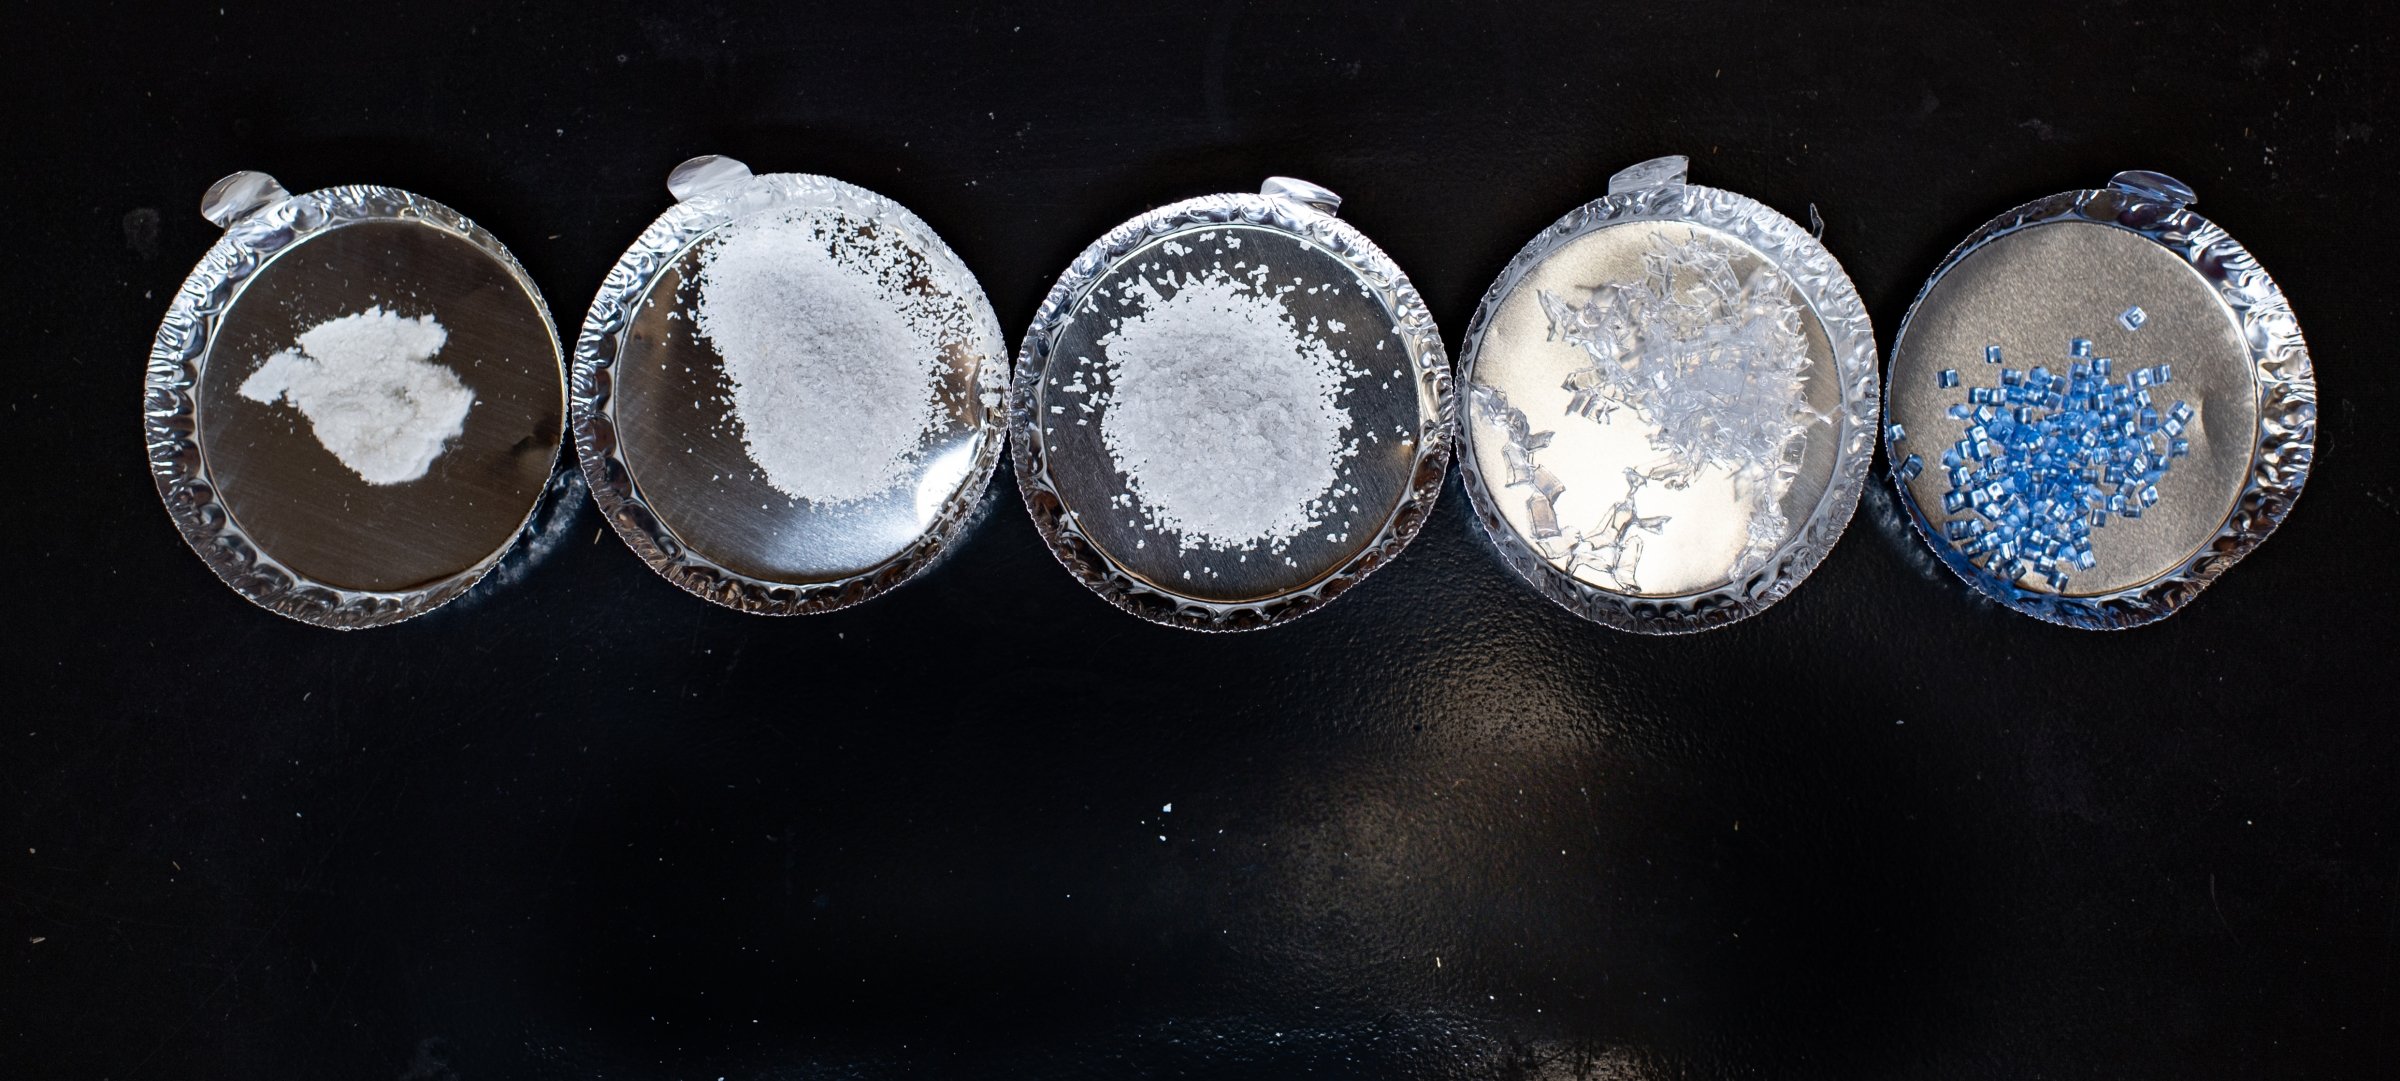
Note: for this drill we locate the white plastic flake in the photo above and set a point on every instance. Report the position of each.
(371, 392)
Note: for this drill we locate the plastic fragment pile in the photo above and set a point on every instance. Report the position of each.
(1223, 412)
(832, 360)
(1716, 361)
(371, 391)
(2049, 457)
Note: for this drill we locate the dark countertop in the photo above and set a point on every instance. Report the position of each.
(581, 824)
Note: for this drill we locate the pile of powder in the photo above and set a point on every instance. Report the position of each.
(371, 392)
(833, 364)
(1224, 417)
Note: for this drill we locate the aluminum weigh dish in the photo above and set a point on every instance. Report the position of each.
(1670, 405)
(1230, 410)
(354, 403)
(2099, 403)
(787, 395)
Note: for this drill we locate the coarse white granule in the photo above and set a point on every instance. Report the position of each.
(833, 363)
(371, 392)
(1223, 415)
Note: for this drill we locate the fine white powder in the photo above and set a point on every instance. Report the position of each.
(1223, 415)
(833, 363)
(371, 392)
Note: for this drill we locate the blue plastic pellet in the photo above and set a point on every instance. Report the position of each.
(2050, 457)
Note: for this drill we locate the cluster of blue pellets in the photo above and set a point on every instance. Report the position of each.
(2047, 458)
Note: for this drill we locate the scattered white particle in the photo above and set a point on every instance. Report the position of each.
(832, 361)
(1217, 476)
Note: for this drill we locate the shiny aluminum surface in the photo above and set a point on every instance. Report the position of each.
(264, 503)
(667, 465)
(2071, 266)
(1398, 403)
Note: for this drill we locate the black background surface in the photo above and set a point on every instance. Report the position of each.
(581, 824)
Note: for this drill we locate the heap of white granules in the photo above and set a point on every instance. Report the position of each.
(834, 367)
(371, 392)
(1223, 415)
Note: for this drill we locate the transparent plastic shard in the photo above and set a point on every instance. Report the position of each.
(1714, 361)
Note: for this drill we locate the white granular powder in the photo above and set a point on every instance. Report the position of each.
(371, 392)
(833, 363)
(1223, 415)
